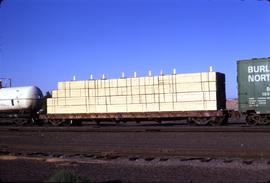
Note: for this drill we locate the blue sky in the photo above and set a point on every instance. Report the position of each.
(46, 41)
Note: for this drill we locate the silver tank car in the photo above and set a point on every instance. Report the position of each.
(20, 99)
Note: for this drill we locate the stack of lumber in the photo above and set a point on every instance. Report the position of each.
(177, 92)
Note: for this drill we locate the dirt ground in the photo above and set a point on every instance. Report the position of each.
(40, 169)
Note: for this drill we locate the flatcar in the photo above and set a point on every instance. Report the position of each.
(197, 97)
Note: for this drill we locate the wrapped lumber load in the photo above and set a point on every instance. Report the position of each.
(177, 92)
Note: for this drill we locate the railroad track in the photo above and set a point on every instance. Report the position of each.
(127, 129)
(138, 141)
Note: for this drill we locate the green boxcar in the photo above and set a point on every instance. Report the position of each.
(253, 77)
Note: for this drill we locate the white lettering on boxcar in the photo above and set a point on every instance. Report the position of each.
(259, 73)
(258, 69)
(259, 77)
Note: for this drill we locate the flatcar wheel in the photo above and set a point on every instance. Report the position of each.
(201, 121)
(57, 122)
(219, 120)
(251, 119)
(190, 121)
(20, 121)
